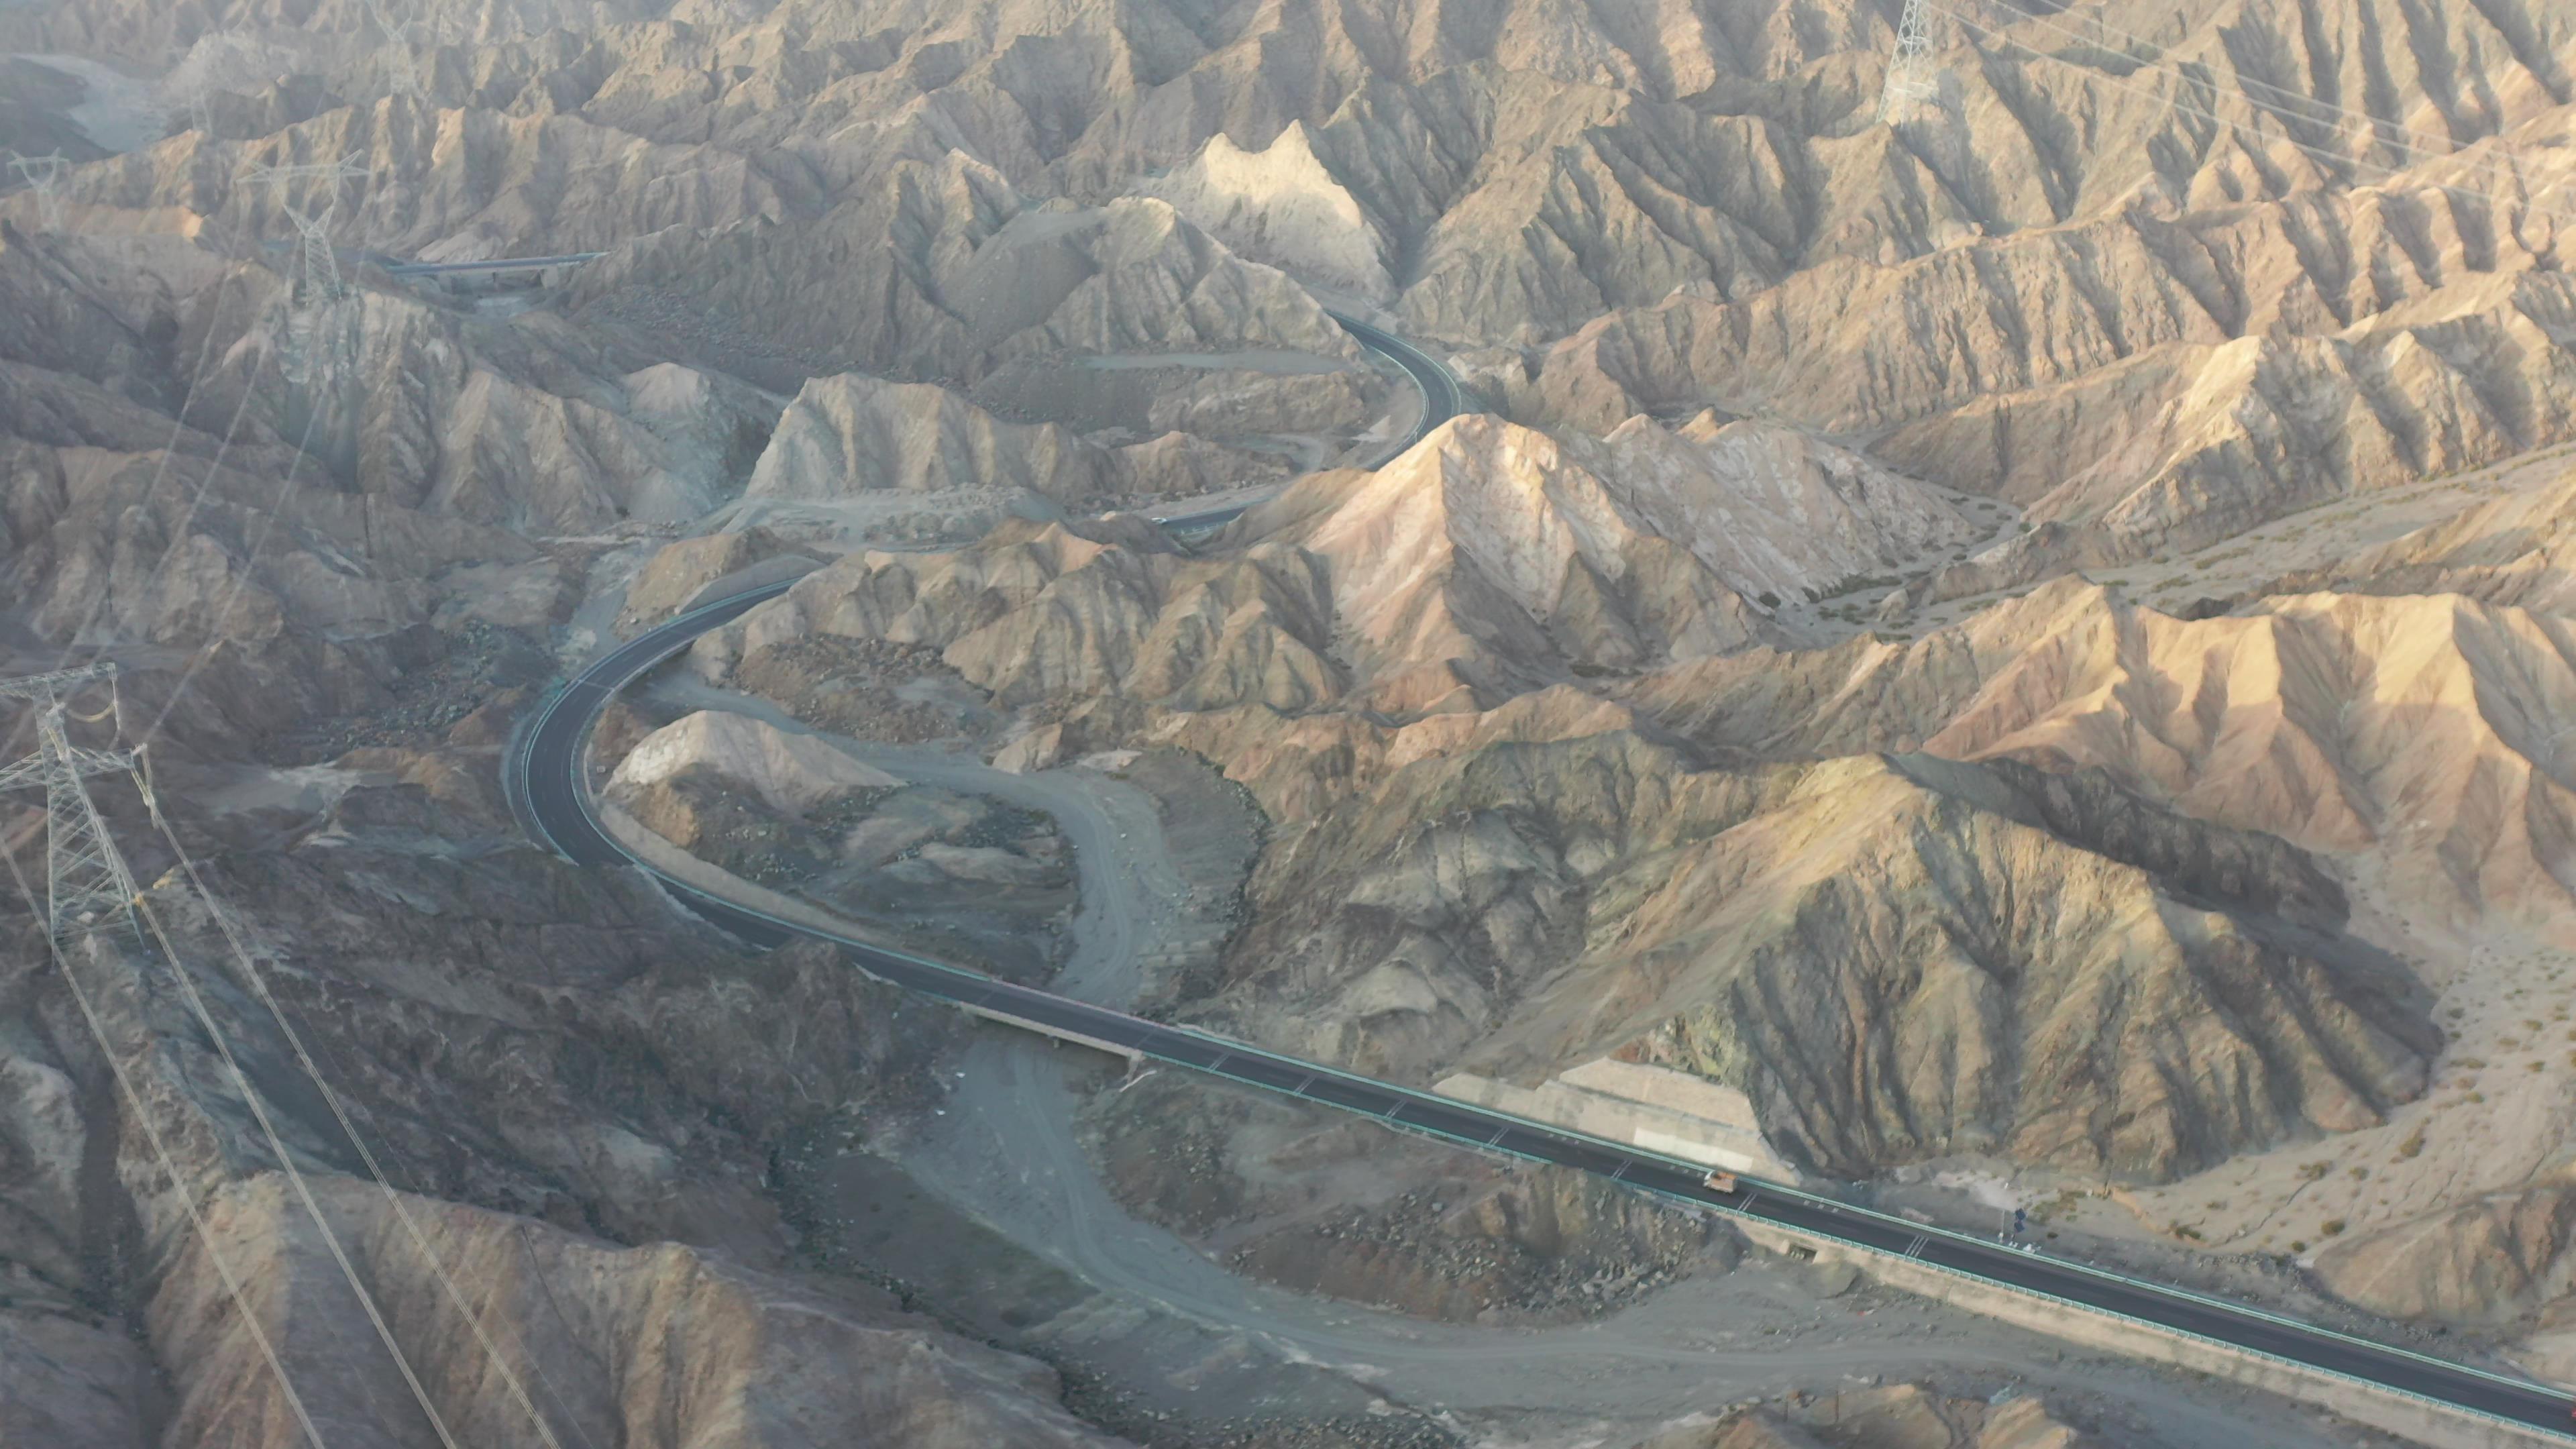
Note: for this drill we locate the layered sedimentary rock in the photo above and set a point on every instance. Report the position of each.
(1894, 959)
(853, 434)
(1545, 777)
(2490, 1259)
(975, 279)
(2518, 550)
(679, 571)
(1909, 1415)
(587, 1328)
(2414, 727)
(1488, 557)
(1280, 205)
(788, 772)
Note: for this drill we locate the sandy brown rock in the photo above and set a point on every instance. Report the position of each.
(853, 434)
(1544, 774)
(2153, 383)
(1487, 559)
(1279, 204)
(677, 572)
(1898, 1416)
(977, 280)
(74, 1382)
(588, 1327)
(788, 772)
(2488, 1260)
(2409, 726)
(2518, 550)
(1891, 959)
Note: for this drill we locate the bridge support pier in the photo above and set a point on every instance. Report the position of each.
(1129, 1054)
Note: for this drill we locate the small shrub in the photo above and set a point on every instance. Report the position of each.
(2331, 1227)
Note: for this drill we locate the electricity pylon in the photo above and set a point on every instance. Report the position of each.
(401, 74)
(87, 884)
(42, 174)
(317, 273)
(318, 267)
(1909, 72)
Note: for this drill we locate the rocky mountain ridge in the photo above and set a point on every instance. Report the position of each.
(1569, 731)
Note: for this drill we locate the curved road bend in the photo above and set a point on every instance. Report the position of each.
(546, 770)
(1442, 399)
(545, 774)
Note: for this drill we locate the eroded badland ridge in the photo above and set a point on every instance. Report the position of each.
(2022, 657)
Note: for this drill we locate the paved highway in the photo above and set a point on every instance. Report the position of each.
(545, 775)
(495, 264)
(1442, 399)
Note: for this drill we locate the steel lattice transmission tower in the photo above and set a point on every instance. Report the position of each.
(1910, 79)
(401, 73)
(42, 174)
(87, 884)
(317, 272)
(317, 277)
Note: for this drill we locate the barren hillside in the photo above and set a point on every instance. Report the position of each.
(2019, 653)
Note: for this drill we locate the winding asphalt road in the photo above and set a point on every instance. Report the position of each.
(1442, 399)
(547, 779)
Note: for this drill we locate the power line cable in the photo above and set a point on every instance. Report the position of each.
(215, 636)
(252, 974)
(2056, 21)
(160, 473)
(250, 558)
(258, 982)
(197, 500)
(536, 1364)
(287, 491)
(404, 1165)
(2247, 129)
(214, 469)
(169, 1164)
(2449, 148)
(178, 427)
(196, 504)
(258, 1108)
(180, 534)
